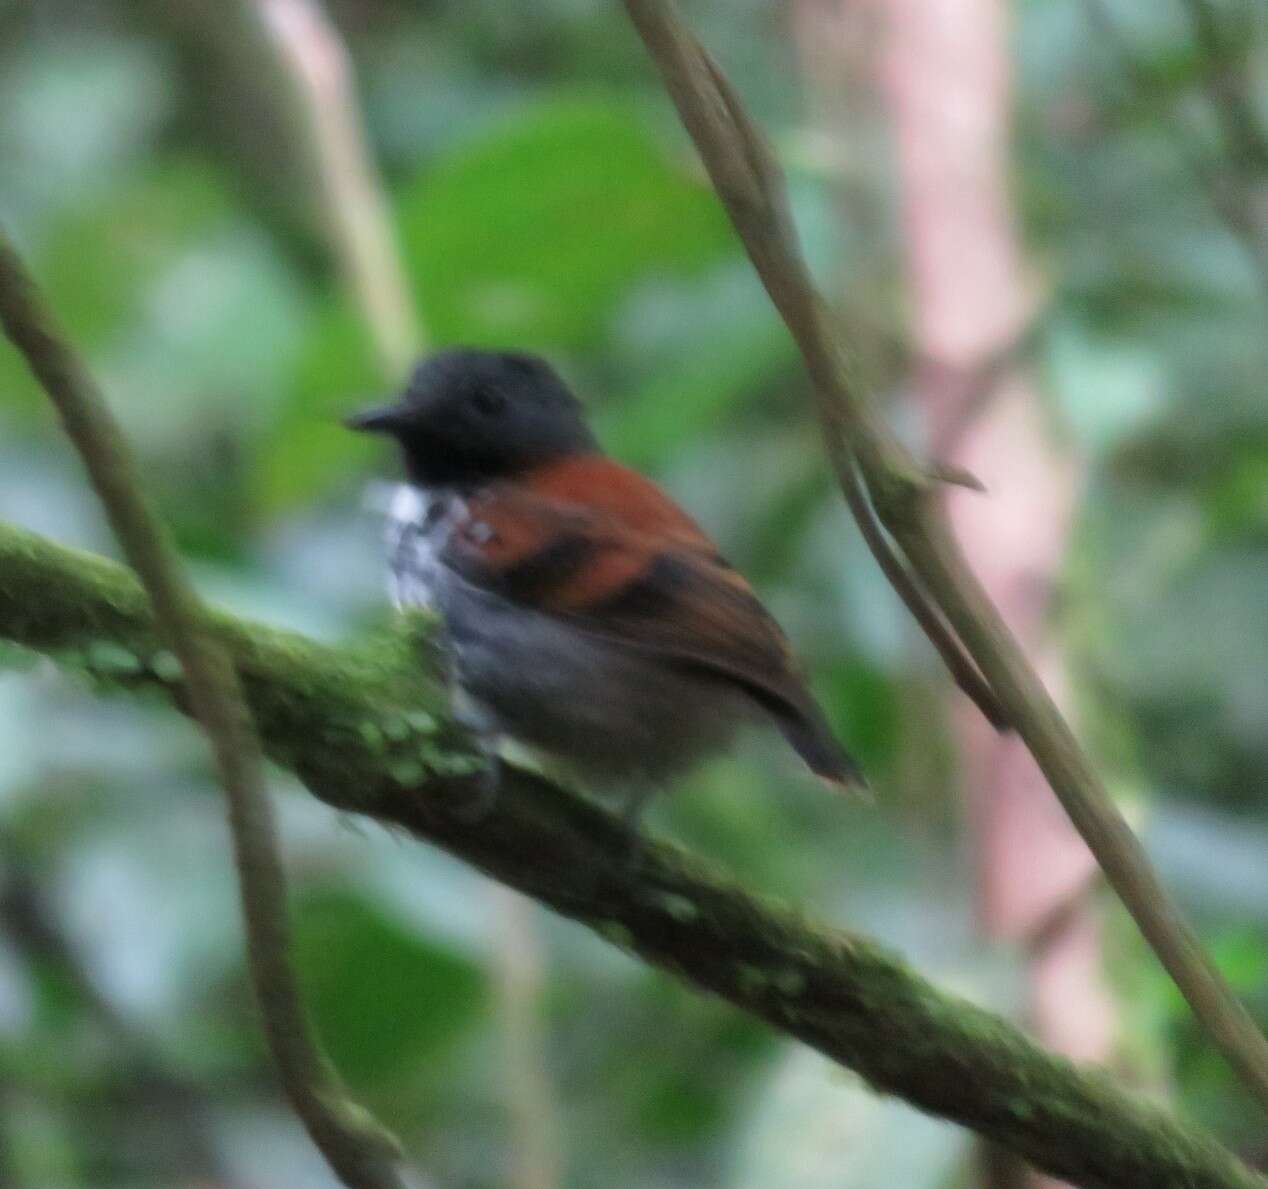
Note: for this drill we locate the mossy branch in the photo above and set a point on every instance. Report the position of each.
(366, 730)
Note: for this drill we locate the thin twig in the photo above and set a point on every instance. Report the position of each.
(312, 56)
(334, 715)
(536, 1157)
(361, 1152)
(738, 172)
(962, 669)
(751, 187)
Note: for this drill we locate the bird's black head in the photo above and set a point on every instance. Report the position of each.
(470, 416)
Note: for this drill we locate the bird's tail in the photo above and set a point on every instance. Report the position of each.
(805, 727)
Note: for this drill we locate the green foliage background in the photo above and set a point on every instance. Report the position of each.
(545, 198)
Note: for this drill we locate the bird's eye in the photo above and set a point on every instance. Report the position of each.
(489, 402)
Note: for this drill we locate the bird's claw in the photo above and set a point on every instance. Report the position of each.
(483, 796)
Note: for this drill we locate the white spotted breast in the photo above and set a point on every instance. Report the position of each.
(417, 527)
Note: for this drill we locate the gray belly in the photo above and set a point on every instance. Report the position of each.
(616, 714)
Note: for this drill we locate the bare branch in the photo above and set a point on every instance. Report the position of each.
(751, 188)
(358, 1149)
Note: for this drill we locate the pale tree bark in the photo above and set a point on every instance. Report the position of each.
(945, 70)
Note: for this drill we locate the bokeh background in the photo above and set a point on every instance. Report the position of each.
(1046, 224)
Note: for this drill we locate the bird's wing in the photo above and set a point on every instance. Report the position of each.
(664, 590)
(604, 487)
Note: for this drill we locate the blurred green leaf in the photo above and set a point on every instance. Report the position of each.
(1236, 502)
(77, 106)
(864, 701)
(40, 1145)
(1106, 390)
(306, 451)
(846, 1137)
(1242, 957)
(668, 1065)
(16, 659)
(716, 347)
(99, 261)
(530, 235)
(385, 999)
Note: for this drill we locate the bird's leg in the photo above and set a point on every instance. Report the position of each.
(633, 804)
(632, 807)
(487, 739)
(487, 783)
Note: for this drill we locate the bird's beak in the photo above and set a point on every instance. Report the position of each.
(386, 418)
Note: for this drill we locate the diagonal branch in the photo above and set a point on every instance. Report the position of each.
(365, 729)
(740, 164)
(751, 187)
(961, 667)
(357, 1148)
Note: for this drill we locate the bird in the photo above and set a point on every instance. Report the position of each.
(585, 616)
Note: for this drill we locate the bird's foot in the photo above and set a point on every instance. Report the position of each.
(484, 788)
(632, 818)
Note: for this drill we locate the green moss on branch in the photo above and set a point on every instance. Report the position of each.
(366, 730)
